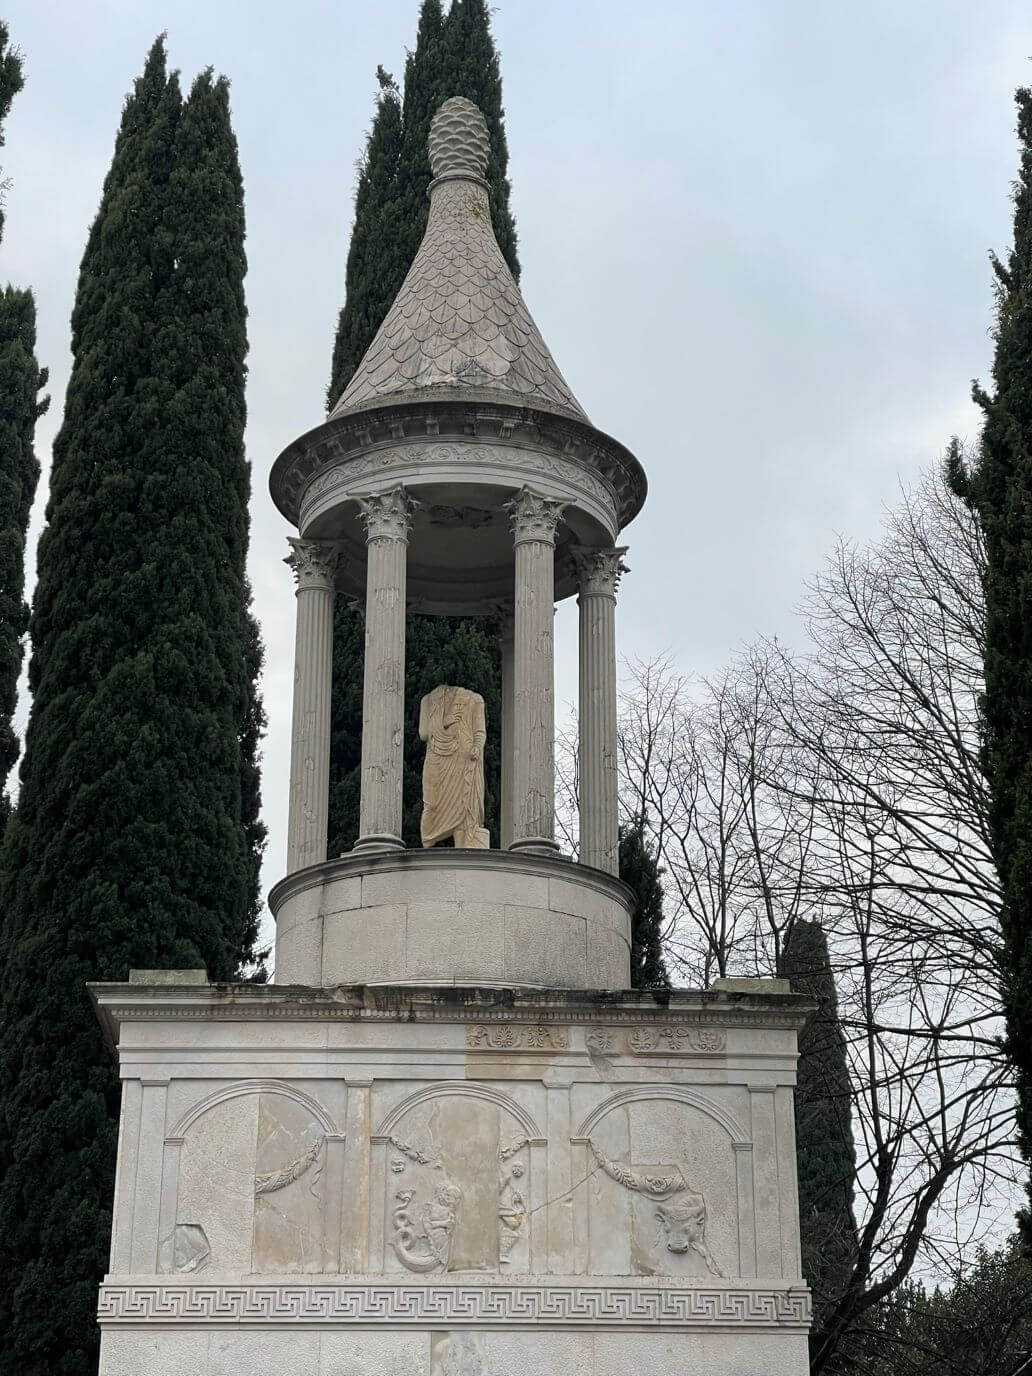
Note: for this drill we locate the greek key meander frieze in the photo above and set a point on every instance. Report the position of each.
(380, 1302)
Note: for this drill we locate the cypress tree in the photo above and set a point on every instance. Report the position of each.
(824, 1140)
(639, 870)
(375, 267)
(21, 379)
(134, 840)
(454, 55)
(999, 488)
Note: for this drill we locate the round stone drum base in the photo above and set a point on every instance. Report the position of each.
(444, 916)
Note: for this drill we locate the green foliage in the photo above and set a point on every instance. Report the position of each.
(999, 488)
(979, 1326)
(12, 79)
(136, 837)
(454, 55)
(824, 1140)
(21, 379)
(375, 267)
(640, 871)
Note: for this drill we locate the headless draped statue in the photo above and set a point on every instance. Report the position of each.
(451, 721)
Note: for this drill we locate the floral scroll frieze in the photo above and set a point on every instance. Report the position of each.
(651, 1038)
(508, 1036)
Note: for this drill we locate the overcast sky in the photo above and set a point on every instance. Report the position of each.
(753, 234)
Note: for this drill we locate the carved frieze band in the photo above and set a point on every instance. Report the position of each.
(387, 1303)
(507, 1036)
(353, 471)
(667, 1037)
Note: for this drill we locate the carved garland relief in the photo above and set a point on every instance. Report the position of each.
(347, 474)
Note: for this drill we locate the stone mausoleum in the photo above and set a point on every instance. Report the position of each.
(449, 1140)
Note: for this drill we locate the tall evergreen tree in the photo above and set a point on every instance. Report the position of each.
(454, 55)
(999, 488)
(21, 379)
(134, 839)
(639, 870)
(824, 1138)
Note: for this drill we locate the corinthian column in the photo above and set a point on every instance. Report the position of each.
(534, 522)
(314, 564)
(387, 520)
(505, 620)
(598, 573)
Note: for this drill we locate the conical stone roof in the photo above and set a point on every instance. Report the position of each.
(459, 323)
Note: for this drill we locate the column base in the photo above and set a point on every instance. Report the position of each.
(386, 842)
(536, 845)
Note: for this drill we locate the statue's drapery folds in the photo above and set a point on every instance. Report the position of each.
(451, 722)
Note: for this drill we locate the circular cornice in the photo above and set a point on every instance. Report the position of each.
(465, 415)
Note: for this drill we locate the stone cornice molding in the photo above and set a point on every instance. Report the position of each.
(534, 518)
(391, 1301)
(313, 563)
(388, 515)
(599, 570)
(466, 419)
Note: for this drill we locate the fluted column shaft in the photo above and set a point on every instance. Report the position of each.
(387, 520)
(508, 654)
(598, 574)
(534, 522)
(313, 564)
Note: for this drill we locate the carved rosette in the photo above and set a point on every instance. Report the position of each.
(313, 563)
(534, 518)
(599, 570)
(388, 515)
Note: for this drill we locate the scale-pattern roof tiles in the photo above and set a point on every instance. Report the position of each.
(459, 320)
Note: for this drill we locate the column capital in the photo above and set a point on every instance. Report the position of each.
(534, 517)
(313, 563)
(388, 515)
(599, 570)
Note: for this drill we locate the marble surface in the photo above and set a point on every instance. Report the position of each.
(473, 1175)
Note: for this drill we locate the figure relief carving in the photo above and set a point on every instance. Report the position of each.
(184, 1250)
(456, 1354)
(313, 563)
(680, 1211)
(512, 1206)
(388, 515)
(424, 1244)
(534, 517)
(599, 570)
(451, 722)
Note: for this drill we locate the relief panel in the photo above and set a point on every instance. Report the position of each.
(250, 1194)
(457, 1189)
(662, 1193)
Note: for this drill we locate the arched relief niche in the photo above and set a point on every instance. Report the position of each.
(252, 1177)
(663, 1172)
(460, 1166)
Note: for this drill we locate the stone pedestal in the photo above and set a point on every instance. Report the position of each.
(440, 1182)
